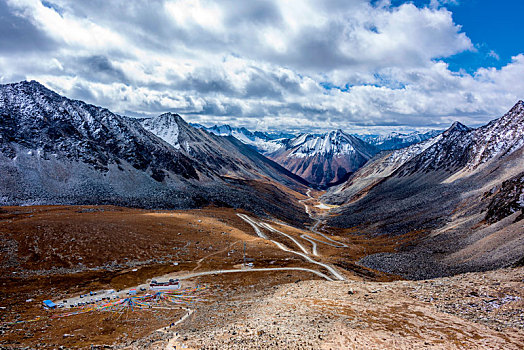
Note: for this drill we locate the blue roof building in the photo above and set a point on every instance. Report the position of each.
(49, 304)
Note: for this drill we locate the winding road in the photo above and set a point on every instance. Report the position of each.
(313, 243)
(270, 228)
(314, 228)
(257, 225)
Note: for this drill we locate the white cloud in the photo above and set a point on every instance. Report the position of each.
(264, 63)
(438, 3)
(494, 55)
(191, 13)
(72, 30)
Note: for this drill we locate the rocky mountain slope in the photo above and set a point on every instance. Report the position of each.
(467, 149)
(376, 170)
(458, 191)
(224, 155)
(506, 199)
(55, 150)
(324, 159)
(49, 126)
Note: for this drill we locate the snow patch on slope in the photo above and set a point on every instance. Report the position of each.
(500, 137)
(164, 126)
(404, 154)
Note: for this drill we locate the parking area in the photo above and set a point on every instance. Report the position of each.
(99, 296)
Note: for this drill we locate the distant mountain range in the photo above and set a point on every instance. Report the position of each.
(262, 142)
(54, 150)
(321, 159)
(397, 140)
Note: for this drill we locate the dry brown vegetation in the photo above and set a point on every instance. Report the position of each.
(52, 252)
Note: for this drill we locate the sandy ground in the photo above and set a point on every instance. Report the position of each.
(471, 311)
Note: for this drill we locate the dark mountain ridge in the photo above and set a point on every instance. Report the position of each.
(225, 155)
(59, 151)
(40, 119)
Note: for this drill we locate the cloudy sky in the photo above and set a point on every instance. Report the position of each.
(275, 64)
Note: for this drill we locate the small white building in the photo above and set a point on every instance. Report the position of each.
(169, 285)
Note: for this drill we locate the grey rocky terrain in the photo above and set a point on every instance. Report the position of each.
(459, 193)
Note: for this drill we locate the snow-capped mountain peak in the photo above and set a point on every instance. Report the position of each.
(464, 148)
(335, 143)
(457, 127)
(500, 137)
(36, 120)
(324, 159)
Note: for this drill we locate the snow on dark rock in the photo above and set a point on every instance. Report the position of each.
(461, 147)
(54, 150)
(51, 125)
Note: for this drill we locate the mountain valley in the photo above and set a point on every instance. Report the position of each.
(278, 241)
(277, 175)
